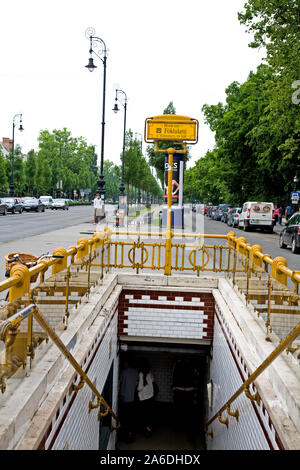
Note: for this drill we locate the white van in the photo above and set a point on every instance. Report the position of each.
(47, 201)
(257, 215)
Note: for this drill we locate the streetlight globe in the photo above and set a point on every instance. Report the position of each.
(115, 108)
(91, 66)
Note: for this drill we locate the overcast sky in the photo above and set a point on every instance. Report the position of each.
(187, 52)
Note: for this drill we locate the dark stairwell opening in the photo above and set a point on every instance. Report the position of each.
(179, 409)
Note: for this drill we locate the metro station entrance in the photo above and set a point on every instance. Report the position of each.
(180, 371)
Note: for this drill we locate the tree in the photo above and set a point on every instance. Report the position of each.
(30, 169)
(42, 176)
(276, 26)
(112, 175)
(3, 177)
(19, 173)
(137, 172)
(257, 130)
(68, 159)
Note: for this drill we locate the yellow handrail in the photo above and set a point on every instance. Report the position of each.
(245, 386)
(8, 335)
(280, 270)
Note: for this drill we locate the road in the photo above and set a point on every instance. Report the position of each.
(42, 232)
(27, 224)
(269, 242)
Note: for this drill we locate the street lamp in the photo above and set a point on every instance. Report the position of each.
(59, 184)
(12, 185)
(295, 190)
(91, 67)
(116, 109)
(141, 147)
(295, 182)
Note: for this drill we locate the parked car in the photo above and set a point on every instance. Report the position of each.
(33, 204)
(233, 216)
(210, 211)
(215, 214)
(257, 215)
(290, 234)
(3, 208)
(47, 201)
(221, 209)
(60, 204)
(225, 208)
(14, 204)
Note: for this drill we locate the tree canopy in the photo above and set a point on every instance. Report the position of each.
(137, 171)
(257, 129)
(70, 164)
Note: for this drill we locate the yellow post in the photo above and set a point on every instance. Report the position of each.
(169, 234)
(20, 272)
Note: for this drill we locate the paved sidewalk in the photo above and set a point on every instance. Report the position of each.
(278, 228)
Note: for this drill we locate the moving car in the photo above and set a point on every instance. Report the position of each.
(47, 201)
(60, 204)
(290, 234)
(233, 216)
(14, 204)
(3, 208)
(33, 204)
(257, 215)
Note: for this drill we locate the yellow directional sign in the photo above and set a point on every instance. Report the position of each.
(171, 127)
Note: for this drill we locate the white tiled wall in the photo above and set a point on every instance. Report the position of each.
(79, 430)
(165, 316)
(253, 430)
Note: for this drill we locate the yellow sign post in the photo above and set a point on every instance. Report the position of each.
(171, 127)
(176, 129)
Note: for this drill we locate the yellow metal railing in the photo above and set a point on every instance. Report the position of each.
(8, 334)
(66, 275)
(236, 258)
(139, 254)
(263, 280)
(245, 387)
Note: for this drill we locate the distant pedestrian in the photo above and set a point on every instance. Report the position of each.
(145, 391)
(288, 212)
(280, 214)
(276, 213)
(129, 378)
(98, 205)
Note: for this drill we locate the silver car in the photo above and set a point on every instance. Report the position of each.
(60, 204)
(233, 217)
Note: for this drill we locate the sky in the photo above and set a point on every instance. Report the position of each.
(159, 51)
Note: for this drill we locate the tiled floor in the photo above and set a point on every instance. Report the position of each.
(166, 435)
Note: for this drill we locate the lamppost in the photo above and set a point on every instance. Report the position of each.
(12, 185)
(91, 67)
(295, 190)
(59, 184)
(295, 182)
(116, 109)
(141, 147)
